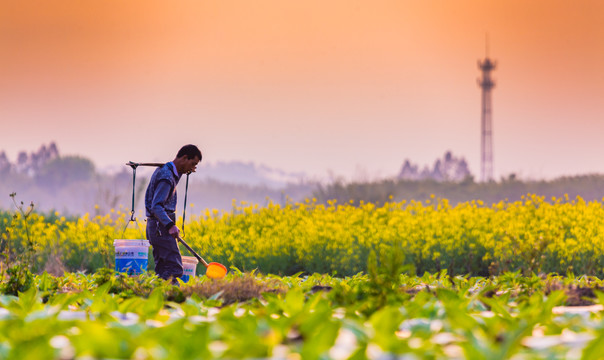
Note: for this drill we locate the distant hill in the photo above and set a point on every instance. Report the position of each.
(242, 173)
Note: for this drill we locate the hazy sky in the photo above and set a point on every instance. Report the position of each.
(351, 87)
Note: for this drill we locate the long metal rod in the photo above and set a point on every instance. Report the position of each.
(199, 258)
(131, 163)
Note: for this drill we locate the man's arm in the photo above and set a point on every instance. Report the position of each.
(162, 191)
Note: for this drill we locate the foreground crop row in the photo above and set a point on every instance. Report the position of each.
(313, 317)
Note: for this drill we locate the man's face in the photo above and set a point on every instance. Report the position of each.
(191, 164)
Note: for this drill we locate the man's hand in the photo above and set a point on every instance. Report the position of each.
(174, 231)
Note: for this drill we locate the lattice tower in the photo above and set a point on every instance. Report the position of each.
(487, 84)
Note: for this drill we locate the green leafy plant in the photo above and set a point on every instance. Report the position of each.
(24, 214)
(385, 275)
(19, 279)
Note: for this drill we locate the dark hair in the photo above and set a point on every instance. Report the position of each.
(190, 150)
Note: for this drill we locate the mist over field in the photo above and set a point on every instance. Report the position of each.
(72, 185)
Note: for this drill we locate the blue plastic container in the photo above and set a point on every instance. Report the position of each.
(131, 256)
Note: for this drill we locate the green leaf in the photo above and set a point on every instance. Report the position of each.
(153, 304)
(293, 302)
(595, 348)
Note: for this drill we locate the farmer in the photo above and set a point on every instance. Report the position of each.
(160, 205)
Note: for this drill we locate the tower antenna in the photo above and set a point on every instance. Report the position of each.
(487, 84)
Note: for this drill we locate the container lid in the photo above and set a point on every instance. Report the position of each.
(189, 259)
(127, 242)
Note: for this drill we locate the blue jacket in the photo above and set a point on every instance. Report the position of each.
(160, 198)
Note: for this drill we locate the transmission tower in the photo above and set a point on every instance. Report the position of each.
(486, 144)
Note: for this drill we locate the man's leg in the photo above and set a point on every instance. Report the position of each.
(166, 254)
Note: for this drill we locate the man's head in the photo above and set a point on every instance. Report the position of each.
(187, 159)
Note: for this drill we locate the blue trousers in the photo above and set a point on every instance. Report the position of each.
(166, 254)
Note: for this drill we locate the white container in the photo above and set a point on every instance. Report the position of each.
(189, 263)
(131, 256)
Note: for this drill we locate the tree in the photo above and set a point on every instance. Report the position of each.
(5, 165)
(31, 164)
(65, 170)
(449, 168)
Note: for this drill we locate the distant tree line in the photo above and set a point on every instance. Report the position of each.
(72, 186)
(47, 168)
(589, 187)
(449, 168)
(450, 178)
(66, 183)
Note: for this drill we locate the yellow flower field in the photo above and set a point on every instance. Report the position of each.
(533, 235)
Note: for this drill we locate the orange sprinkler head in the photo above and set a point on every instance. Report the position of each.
(216, 270)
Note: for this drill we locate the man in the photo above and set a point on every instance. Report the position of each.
(160, 205)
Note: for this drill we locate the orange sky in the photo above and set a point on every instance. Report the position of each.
(353, 87)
